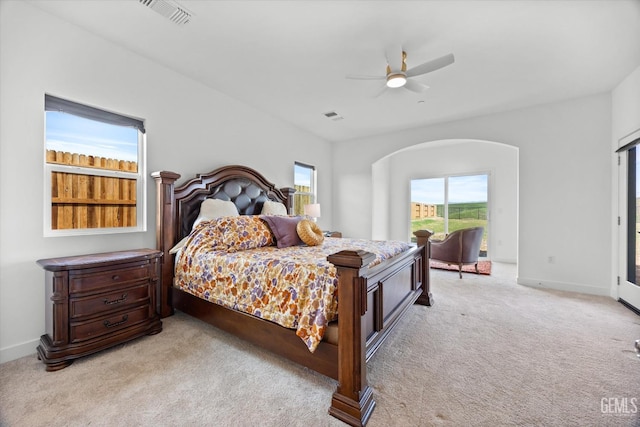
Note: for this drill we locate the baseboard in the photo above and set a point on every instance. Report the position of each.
(17, 351)
(563, 286)
(504, 260)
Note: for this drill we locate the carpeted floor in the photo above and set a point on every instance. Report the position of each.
(488, 353)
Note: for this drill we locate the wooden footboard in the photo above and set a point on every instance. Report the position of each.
(371, 302)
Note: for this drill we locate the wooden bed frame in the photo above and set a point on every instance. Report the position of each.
(372, 300)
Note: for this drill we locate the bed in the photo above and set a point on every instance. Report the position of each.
(373, 293)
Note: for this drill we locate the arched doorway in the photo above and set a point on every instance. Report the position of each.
(391, 177)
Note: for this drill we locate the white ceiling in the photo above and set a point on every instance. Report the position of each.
(290, 58)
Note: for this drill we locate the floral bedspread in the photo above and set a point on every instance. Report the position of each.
(294, 287)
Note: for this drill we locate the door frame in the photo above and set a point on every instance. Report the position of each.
(626, 292)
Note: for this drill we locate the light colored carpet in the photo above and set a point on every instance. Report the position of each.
(488, 353)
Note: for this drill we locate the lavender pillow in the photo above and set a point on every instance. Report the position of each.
(284, 229)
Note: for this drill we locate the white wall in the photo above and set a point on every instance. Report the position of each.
(381, 180)
(190, 128)
(626, 106)
(564, 186)
(442, 158)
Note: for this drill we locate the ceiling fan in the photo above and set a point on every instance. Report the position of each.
(398, 76)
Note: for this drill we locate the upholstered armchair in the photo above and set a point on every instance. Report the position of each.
(462, 247)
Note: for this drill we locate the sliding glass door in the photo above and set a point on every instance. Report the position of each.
(629, 280)
(428, 206)
(450, 203)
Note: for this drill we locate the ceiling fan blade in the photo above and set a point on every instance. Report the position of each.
(362, 77)
(414, 86)
(429, 66)
(394, 57)
(382, 90)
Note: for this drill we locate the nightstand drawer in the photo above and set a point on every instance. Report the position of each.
(97, 301)
(110, 301)
(108, 324)
(110, 278)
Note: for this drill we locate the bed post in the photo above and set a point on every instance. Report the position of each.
(166, 233)
(422, 237)
(352, 401)
(288, 193)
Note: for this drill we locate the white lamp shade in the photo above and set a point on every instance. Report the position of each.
(312, 210)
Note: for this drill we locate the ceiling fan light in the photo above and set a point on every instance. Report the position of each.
(396, 80)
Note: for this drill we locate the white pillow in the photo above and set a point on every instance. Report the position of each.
(174, 250)
(215, 208)
(273, 208)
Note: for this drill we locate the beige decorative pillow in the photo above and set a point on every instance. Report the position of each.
(273, 208)
(310, 233)
(214, 209)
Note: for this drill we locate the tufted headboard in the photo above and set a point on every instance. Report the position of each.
(245, 187)
(246, 194)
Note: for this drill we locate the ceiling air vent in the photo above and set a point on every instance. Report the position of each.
(333, 116)
(169, 9)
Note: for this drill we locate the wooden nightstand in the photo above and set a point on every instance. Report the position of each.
(97, 301)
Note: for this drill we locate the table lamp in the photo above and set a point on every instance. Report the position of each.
(312, 210)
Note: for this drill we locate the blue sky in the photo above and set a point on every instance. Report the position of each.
(66, 132)
(471, 188)
(302, 176)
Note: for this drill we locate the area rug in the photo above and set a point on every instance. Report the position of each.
(484, 267)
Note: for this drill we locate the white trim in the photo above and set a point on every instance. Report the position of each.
(563, 286)
(628, 138)
(79, 170)
(624, 289)
(504, 260)
(17, 351)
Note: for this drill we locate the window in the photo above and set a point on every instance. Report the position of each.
(450, 203)
(304, 181)
(94, 170)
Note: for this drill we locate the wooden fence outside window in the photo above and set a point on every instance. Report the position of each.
(91, 201)
(301, 197)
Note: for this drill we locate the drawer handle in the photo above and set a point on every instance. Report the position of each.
(112, 325)
(115, 277)
(123, 298)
